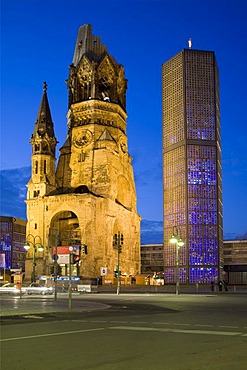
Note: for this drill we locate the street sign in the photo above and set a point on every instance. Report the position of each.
(66, 249)
(63, 259)
(55, 257)
(103, 271)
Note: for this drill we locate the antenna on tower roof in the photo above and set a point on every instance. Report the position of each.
(190, 43)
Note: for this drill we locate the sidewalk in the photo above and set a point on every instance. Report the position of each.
(34, 305)
(15, 306)
(168, 289)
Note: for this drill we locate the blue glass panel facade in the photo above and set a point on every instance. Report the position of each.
(203, 275)
(202, 209)
(192, 165)
(13, 237)
(6, 243)
(169, 275)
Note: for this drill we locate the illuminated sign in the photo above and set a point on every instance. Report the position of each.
(64, 249)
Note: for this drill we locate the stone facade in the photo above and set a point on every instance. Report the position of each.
(90, 195)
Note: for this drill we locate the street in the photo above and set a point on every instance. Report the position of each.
(129, 331)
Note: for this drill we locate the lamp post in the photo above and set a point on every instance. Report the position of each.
(53, 241)
(70, 283)
(36, 246)
(117, 243)
(175, 239)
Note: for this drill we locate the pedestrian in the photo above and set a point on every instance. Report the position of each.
(212, 286)
(225, 285)
(220, 284)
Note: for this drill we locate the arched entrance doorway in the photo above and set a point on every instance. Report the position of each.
(64, 232)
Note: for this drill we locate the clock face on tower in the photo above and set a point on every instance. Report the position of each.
(82, 138)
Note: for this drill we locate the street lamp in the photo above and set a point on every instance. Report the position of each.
(36, 246)
(175, 239)
(118, 240)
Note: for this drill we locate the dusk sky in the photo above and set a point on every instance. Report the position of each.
(37, 44)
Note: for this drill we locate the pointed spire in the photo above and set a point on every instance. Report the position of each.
(44, 86)
(44, 122)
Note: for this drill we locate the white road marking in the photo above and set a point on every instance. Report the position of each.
(182, 331)
(139, 322)
(50, 334)
(32, 317)
(135, 328)
(206, 325)
(228, 326)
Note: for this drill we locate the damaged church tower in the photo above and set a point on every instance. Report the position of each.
(91, 195)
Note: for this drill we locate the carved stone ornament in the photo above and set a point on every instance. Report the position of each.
(85, 71)
(82, 138)
(121, 84)
(122, 143)
(106, 69)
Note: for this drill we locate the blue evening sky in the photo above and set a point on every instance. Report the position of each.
(37, 44)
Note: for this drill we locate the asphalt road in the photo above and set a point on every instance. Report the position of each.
(125, 332)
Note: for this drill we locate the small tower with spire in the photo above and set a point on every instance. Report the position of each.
(43, 143)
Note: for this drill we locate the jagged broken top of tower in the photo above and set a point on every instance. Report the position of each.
(89, 45)
(94, 73)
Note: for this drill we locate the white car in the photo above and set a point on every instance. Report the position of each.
(9, 288)
(36, 288)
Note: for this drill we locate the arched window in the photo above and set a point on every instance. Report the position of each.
(36, 167)
(45, 147)
(36, 147)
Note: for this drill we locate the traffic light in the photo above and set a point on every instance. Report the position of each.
(119, 248)
(114, 243)
(74, 258)
(59, 270)
(121, 239)
(84, 249)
